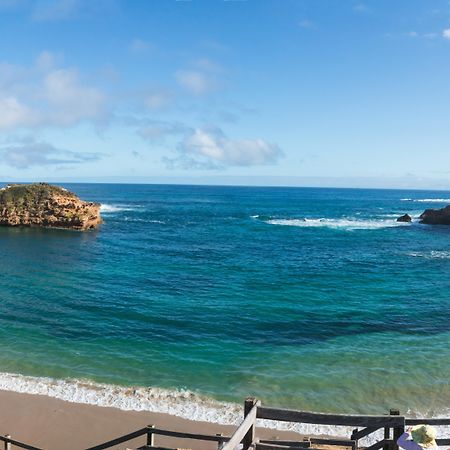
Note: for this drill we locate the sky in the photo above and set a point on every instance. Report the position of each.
(294, 92)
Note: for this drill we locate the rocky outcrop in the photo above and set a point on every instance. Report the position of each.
(436, 216)
(405, 218)
(44, 205)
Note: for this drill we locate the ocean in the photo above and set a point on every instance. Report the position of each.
(190, 298)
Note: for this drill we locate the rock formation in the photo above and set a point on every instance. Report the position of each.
(436, 216)
(404, 218)
(44, 205)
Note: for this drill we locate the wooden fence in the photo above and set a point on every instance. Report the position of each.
(244, 437)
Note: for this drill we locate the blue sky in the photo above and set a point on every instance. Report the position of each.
(308, 92)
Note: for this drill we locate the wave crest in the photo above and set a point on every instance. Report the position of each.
(346, 223)
(426, 200)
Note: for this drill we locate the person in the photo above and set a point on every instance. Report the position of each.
(423, 437)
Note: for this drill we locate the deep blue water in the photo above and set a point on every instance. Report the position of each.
(229, 291)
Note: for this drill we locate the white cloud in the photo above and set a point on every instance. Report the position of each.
(195, 82)
(44, 95)
(210, 148)
(72, 100)
(23, 155)
(14, 113)
(446, 33)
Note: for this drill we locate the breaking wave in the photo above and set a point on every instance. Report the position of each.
(181, 403)
(109, 209)
(426, 200)
(344, 223)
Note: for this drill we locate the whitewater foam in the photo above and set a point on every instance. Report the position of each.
(426, 200)
(344, 223)
(182, 403)
(109, 209)
(433, 254)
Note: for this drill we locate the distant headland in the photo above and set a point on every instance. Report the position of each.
(48, 206)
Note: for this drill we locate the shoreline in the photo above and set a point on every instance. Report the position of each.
(52, 423)
(34, 406)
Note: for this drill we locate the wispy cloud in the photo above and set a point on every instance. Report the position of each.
(47, 95)
(29, 154)
(209, 148)
(196, 82)
(159, 99)
(60, 10)
(53, 10)
(446, 33)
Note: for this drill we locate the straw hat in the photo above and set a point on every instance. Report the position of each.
(424, 435)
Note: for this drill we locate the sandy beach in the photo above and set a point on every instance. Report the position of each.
(55, 424)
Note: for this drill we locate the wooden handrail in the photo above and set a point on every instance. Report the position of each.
(288, 415)
(243, 428)
(120, 440)
(7, 440)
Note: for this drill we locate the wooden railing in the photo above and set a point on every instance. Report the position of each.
(150, 432)
(392, 424)
(8, 442)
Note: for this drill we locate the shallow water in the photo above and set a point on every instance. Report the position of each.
(308, 298)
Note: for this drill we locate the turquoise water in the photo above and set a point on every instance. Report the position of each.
(230, 292)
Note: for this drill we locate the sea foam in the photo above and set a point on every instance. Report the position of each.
(109, 209)
(344, 223)
(426, 200)
(182, 403)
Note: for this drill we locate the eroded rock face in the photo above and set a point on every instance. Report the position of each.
(405, 218)
(436, 216)
(44, 205)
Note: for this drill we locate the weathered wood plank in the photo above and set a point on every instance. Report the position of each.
(326, 441)
(441, 421)
(120, 440)
(286, 415)
(363, 433)
(197, 436)
(262, 446)
(243, 429)
(8, 442)
(302, 444)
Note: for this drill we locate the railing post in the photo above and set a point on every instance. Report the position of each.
(387, 435)
(398, 431)
(7, 444)
(352, 437)
(219, 443)
(250, 436)
(150, 435)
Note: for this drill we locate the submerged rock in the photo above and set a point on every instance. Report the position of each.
(45, 205)
(405, 218)
(436, 216)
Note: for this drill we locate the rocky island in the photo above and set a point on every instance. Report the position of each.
(45, 205)
(436, 216)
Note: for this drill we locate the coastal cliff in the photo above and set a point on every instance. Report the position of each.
(45, 205)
